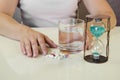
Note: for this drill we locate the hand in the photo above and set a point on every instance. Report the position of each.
(31, 41)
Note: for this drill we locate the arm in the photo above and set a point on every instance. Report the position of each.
(29, 39)
(99, 7)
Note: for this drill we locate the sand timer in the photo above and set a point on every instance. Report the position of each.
(97, 51)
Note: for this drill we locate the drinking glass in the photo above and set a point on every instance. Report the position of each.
(71, 34)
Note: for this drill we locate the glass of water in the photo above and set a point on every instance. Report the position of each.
(71, 34)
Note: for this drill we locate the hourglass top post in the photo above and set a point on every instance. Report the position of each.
(90, 17)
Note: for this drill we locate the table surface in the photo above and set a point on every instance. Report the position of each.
(15, 66)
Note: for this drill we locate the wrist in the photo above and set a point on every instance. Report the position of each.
(22, 31)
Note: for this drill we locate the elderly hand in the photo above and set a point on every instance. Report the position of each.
(31, 41)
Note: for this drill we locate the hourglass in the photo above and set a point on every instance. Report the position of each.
(97, 51)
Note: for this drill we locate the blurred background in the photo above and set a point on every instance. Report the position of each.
(115, 4)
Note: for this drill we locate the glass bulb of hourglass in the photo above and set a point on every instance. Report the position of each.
(97, 29)
(97, 48)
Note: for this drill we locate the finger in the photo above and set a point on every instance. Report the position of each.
(28, 48)
(50, 42)
(34, 47)
(22, 45)
(42, 45)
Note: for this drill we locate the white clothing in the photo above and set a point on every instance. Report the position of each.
(46, 13)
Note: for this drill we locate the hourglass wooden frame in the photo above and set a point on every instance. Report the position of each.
(102, 58)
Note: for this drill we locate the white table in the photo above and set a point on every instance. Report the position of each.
(15, 66)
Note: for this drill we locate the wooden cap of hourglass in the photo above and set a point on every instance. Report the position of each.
(91, 17)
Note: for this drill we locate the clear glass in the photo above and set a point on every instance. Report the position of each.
(71, 34)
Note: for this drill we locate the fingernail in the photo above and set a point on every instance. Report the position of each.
(24, 53)
(55, 45)
(29, 55)
(35, 55)
(44, 52)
